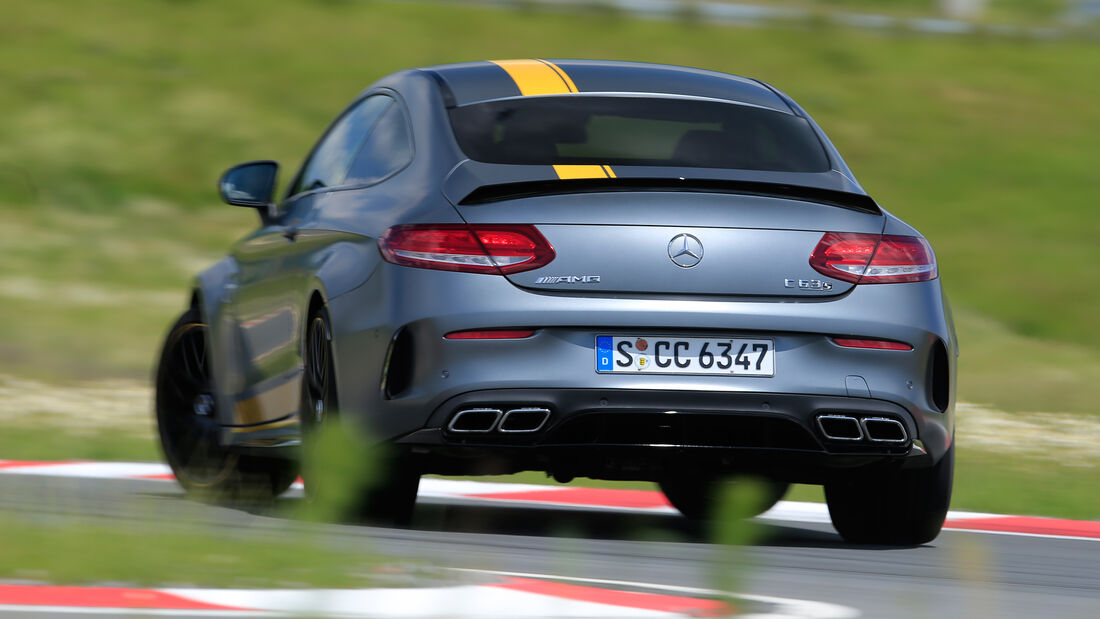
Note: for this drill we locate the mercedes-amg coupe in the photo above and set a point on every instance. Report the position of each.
(604, 269)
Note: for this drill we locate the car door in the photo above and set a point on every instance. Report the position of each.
(268, 302)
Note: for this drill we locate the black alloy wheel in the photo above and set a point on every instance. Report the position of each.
(186, 406)
(190, 431)
(320, 394)
(318, 410)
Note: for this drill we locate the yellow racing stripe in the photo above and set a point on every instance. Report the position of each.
(537, 77)
(580, 171)
(542, 77)
(562, 74)
(271, 404)
(266, 426)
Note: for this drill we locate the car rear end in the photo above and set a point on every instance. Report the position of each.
(709, 366)
(679, 307)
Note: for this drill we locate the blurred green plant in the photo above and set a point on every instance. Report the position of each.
(732, 529)
(339, 472)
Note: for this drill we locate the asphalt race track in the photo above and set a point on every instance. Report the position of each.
(961, 574)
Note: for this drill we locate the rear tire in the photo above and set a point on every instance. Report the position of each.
(390, 497)
(903, 508)
(189, 429)
(696, 498)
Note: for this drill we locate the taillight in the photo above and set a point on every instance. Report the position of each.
(849, 342)
(494, 249)
(491, 334)
(874, 258)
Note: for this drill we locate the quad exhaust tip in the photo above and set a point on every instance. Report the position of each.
(484, 420)
(475, 420)
(884, 430)
(840, 427)
(524, 420)
(874, 429)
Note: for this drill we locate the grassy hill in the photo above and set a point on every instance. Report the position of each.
(117, 117)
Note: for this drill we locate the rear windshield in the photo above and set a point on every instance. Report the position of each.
(637, 131)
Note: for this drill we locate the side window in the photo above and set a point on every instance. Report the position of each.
(328, 166)
(387, 149)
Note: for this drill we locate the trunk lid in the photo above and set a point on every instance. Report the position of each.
(630, 238)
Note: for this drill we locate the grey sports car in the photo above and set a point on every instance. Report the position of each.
(603, 269)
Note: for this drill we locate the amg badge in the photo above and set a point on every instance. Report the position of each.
(568, 279)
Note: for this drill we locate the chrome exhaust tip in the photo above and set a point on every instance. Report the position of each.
(475, 420)
(884, 430)
(840, 427)
(524, 420)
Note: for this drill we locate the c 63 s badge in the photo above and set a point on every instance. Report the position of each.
(568, 279)
(808, 284)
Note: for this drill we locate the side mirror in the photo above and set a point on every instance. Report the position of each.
(249, 184)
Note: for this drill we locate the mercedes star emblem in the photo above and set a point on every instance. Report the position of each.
(685, 250)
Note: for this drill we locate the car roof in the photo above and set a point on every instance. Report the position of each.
(473, 82)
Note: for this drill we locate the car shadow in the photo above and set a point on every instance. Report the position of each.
(477, 517)
(546, 521)
(580, 523)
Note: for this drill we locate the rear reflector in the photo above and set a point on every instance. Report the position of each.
(874, 258)
(493, 249)
(875, 344)
(491, 334)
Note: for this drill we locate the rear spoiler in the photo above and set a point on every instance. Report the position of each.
(528, 189)
(472, 183)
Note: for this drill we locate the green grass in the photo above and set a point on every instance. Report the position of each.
(1007, 484)
(90, 293)
(38, 443)
(154, 555)
(1018, 373)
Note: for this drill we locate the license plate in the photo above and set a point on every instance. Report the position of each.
(685, 355)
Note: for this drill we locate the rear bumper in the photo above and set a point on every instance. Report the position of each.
(626, 434)
(556, 367)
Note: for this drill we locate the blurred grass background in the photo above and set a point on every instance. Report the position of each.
(1013, 11)
(118, 117)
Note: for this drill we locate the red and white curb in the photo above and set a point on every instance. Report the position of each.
(637, 501)
(506, 595)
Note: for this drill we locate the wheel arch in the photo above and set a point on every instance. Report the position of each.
(344, 267)
(210, 290)
(317, 301)
(211, 287)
